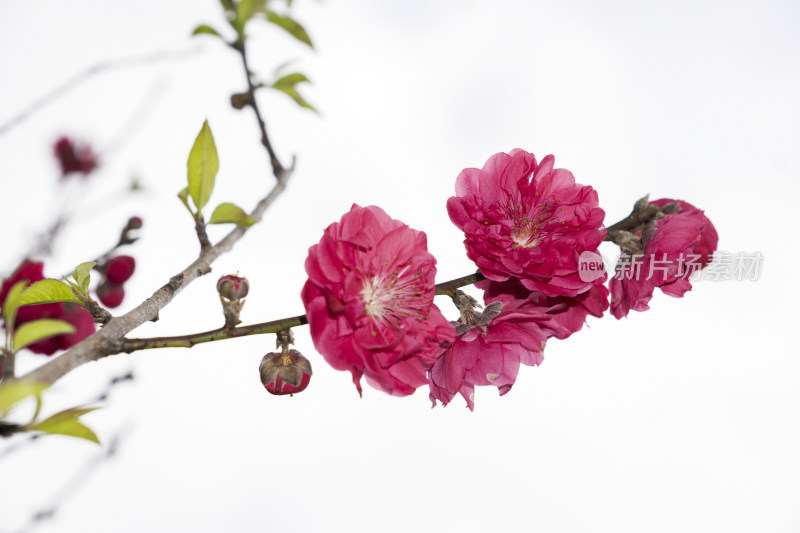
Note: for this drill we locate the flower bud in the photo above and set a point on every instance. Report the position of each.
(135, 223)
(73, 158)
(285, 372)
(110, 295)
(119, 269)
(233, 287)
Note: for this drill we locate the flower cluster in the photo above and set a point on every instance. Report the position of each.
(533, 233)
(73, 313)
(73, 158)
(525, 224)
(676, 246)
(117, 271)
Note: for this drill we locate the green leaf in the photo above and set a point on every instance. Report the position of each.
(15, 391)
(287, 85)
(245, 11)
(48, 291)
(228, 213)
(290, 80)
(184, 196)
(66, 423)
(290, 25)
(74, 286)
(12, 304)
(82, 276)
(202, 167)
(34, 331)
(70, 426)
(204, 28)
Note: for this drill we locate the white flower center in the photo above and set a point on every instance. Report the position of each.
(390, 298)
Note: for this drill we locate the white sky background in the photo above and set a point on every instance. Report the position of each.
(683, 418)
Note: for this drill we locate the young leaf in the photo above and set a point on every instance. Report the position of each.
(205, 28)
(11, 304)
(184, 196)
(82, 276)
(47, 291)
(245, 10)
(74, 286)
(70, 426)
(290, 25)
(287, 84)
(290, 80)
(15, 391)
(228, 213)
(202, 167)
(66, 414)
(34, 331)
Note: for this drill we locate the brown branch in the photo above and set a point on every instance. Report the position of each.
(449, 288)
(223, 333)
(110, 339)
(187, 341)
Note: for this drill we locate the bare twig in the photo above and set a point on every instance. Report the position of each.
(83, 76)
(71, 487)
(223, 333)
(277, 168)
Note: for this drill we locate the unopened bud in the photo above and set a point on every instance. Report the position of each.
(285, 372)
(135, 223)
(110, 295)
(233, 287)
(119, 269)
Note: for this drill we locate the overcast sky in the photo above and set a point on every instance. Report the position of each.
(682, 418)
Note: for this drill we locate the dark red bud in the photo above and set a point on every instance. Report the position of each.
(233, 287)
(285, 373)
(135, 223)
(74, 158)
(110, 295)
(119, 269)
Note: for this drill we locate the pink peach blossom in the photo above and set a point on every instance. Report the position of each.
(566, 314)
(369, 301)
(516, 336)
(680, 244)
(492, 357)
(527, 220)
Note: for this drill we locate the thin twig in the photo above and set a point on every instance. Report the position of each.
(274, 326)
(84, 75)
(277, 168)
(223, 333)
